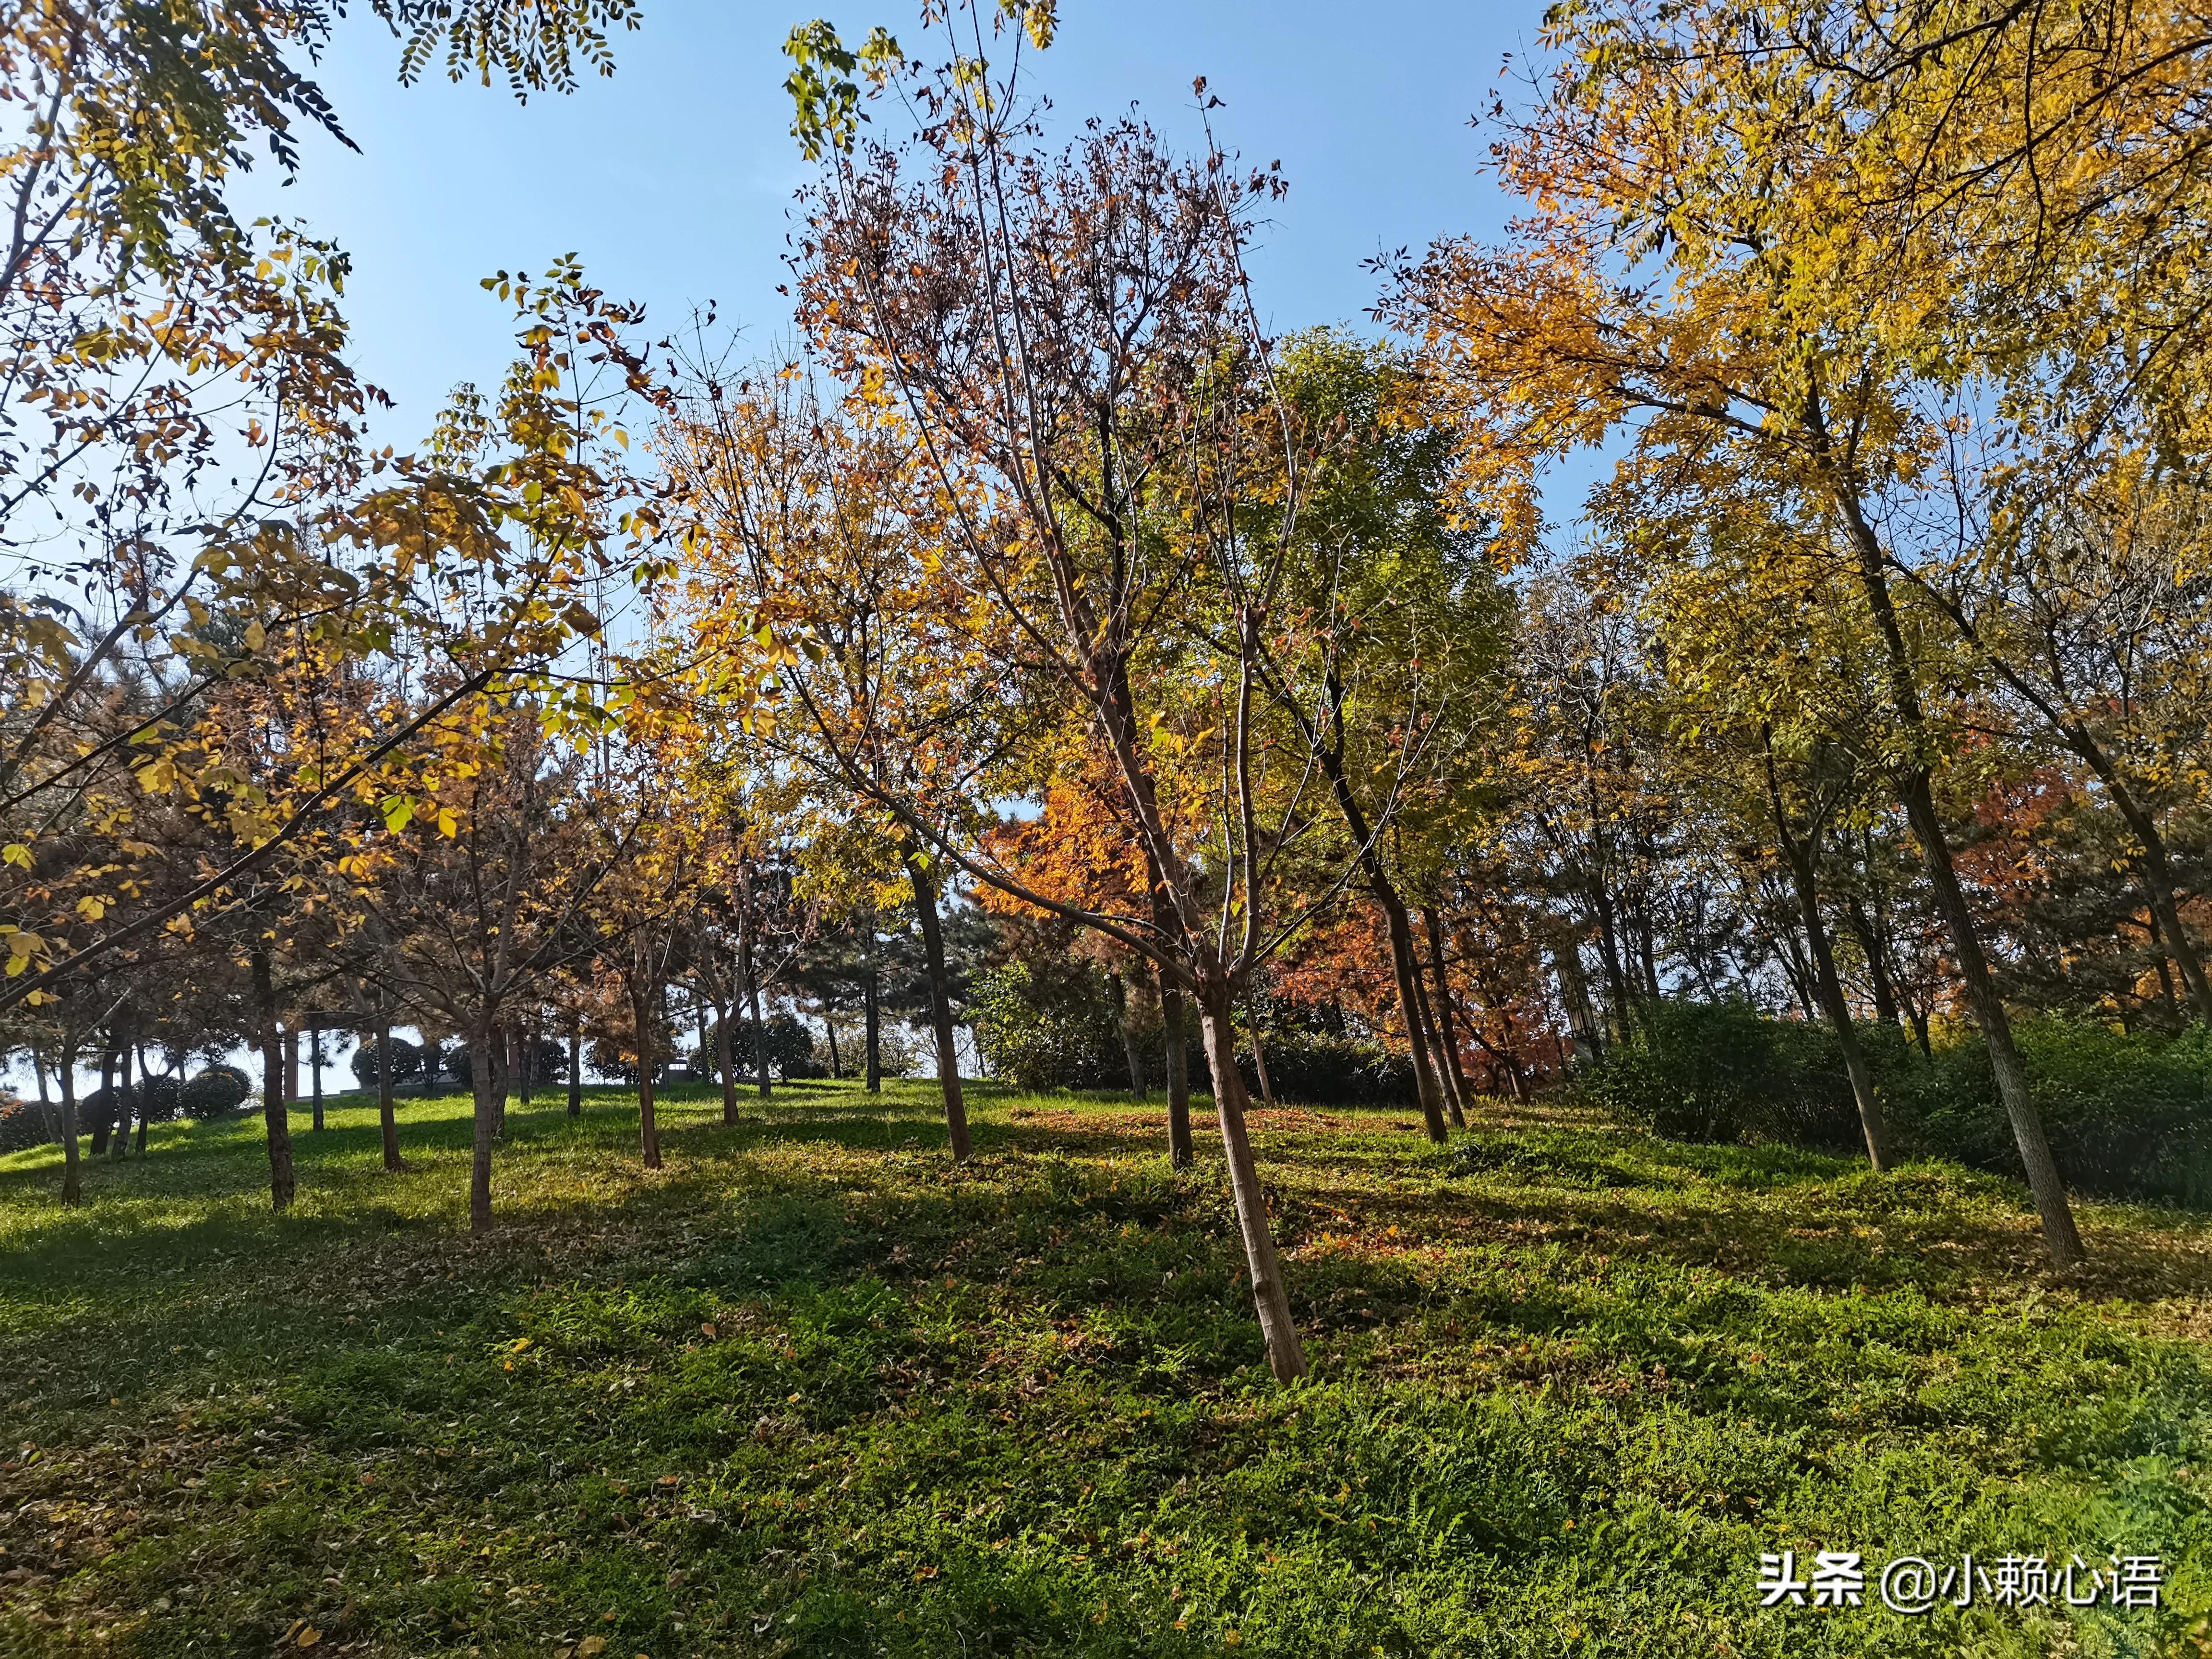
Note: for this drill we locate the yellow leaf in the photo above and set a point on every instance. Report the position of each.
(256, 636)
(309, 1636)
(591, 1647)
(16, 852)
(90, 907)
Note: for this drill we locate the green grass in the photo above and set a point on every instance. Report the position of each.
(812, 1390)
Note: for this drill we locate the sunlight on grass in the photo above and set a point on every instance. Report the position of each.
(813, 1391)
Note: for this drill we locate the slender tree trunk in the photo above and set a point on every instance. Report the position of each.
(123, 1100)
(72, 1165)
(575, 1068)
(1430, 1036)
(315, 1071)
(753, 998)
(1446, 1028)
(525, 1039)
(1404, 965)
(1574, 994)
(104, 1121)
(873, 994)
(275, 1115)
(941, 1007)
(1838, 1011)
(830, 1029)
(649, 1131)
(1877, 961)
(1182, 1152)
(292, 1067)
(725, 1065)
(485, 1087)
(387, 1117)
(2158, 884)
(2159, 960)
(1259, 1050)
(2060, 1236)
(145, 1101)
(1270, 1299)
(1118, 992)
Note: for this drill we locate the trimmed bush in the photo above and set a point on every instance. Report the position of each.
(162, 1097)
(406, 1062)
(22, 1125)
(217, 1090)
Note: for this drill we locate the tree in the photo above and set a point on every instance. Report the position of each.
(1779, 344)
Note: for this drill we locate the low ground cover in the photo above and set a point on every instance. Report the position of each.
(812, 1390)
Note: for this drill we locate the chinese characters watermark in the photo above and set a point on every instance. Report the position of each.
(1912, 1584)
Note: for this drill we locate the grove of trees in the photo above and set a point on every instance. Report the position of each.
(1041, 645)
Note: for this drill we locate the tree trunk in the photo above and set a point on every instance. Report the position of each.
(1574, 994)
(485, 1085)
(649, 1131)
(1259, 1051)
(829, 1028)
(103, 1125)
(1182, 1152)
(872, 992)
(121, 1145)
(275, 1117)
(72, 1166)
(1838, 1011)
(2157, 874)
(495, 1043)
(1270, 1300)
(1447, 1029)
(2060, 1236)
(525, 1040)
(1877, 961)
(1118, 991)
(315, 1071)
(575, 1069)
(387, 1120)
(1402, 964)
(145, 1101)
(753, 1003)
(1430, 1036)
(292, 1067)
(725, 1064)
(941, 1007)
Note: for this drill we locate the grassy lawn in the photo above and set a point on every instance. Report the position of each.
(811, 1390)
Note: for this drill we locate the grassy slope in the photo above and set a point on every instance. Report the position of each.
(812, 1391)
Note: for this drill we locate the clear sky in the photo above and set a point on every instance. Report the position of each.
(674, 179)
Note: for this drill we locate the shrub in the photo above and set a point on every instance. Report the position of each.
(2125, 1113)
(21, 1124)
(1319, 1070)
(162, 1097)
(1701, 1071)
(217, 1090)
(1055, 1030)
(406, 1062)
(790, 1049)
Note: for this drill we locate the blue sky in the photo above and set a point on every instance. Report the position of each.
(673, 179)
